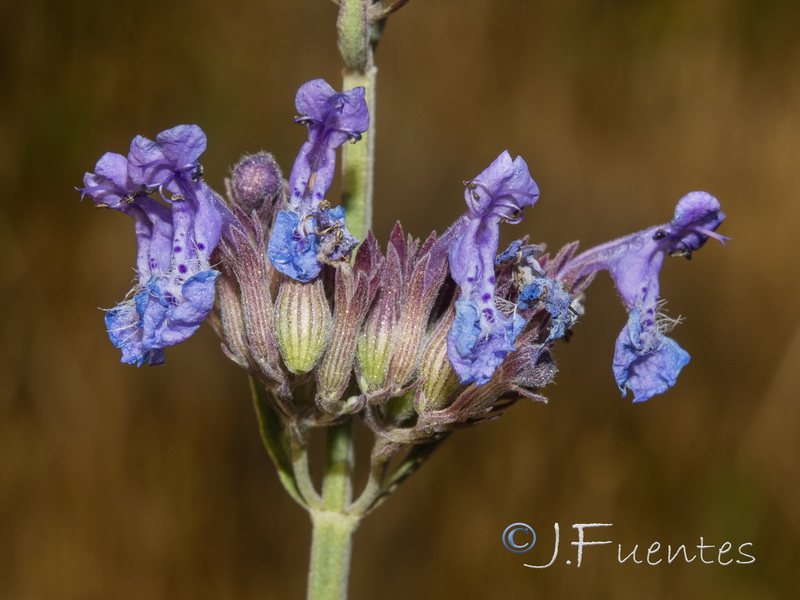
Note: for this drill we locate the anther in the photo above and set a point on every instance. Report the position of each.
(682, 252)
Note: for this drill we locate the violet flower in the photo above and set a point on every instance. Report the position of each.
(308, 231)
(175, 288)
(645, 360)
(481, 336)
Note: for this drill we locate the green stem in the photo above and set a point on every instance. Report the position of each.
(358, 160)
(332, 537)
(280, 449)
(302, 475)
(375, 483)
(337, 487)
(331, 546)
(356, 47)
(353, 39)
(333, 525)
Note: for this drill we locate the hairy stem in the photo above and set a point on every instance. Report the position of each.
(331, 546)
(358, 161)
(333, 528)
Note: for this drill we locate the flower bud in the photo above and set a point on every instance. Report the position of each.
(412, 325)
(375, 350)
(353, 295)
(302, 323)
(246, 305)
(232, 321)
(255, 179)
(439, 380)
(377, 337)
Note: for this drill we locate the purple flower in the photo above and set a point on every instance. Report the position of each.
(645, 360)
(175, 288)
(308, 230)
(481, 336)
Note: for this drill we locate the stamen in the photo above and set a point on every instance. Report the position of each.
(712, 234)
(681, 253)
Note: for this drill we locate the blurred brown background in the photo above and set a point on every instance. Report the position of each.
(117, 482)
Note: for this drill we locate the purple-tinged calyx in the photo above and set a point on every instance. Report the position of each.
(645, 360)
(308, 231)
(255, 180)
(175, 238)
(481, 336)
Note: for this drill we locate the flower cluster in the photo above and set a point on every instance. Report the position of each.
(178, 223)
(420, 339)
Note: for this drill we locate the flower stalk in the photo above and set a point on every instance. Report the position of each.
(331, 547)
(333, 528)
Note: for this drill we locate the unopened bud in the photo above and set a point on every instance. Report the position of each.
(302, 323)
(412, 326)
(377, 337)
(232, 320)
(255, 179)
(439, 380)
(375, 350)
(353, 297)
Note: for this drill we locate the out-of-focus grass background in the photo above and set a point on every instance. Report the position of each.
(117, 482)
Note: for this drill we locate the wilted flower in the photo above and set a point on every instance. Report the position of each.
(557, 300)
